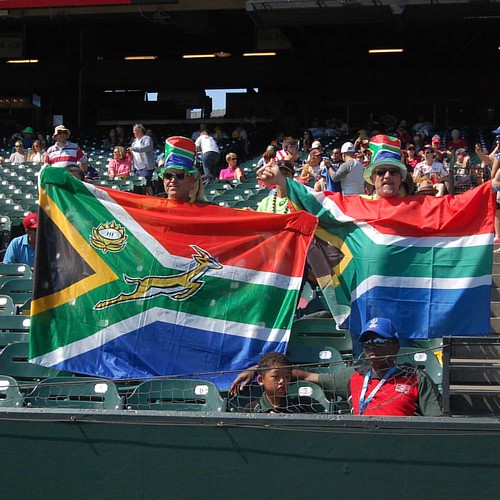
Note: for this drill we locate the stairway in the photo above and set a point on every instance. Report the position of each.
(495, 293)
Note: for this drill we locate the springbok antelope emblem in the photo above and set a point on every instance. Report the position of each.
(178, 287)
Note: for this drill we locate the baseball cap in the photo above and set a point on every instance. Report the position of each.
(30, 221)
(347, 147)
(316, 145)
(382, 327)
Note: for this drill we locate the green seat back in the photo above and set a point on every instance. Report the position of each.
(7, 306)
(325, 359)
(176, 395)
(10, 396)
(321, 332)
(309, 396)
(14, 324)
(14, 362)
(19, 289)
(75, 392)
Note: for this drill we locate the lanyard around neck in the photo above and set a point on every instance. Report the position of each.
(364, 403)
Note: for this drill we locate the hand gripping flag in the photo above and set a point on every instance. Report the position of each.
(423, 262)
(129, 286)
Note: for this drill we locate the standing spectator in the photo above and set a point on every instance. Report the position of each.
(38, 153)
(63, 152)
(143, 156)
(28, 137)
(456, 141)
(21, 250)
(268, 155)
(290, 146)
(112, 140)
(210, 154)
(331, 168)
(19, 156)
(119, 166)
(240, 133)
(350, 173)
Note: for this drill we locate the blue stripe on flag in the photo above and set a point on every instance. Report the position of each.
(446, 309)
(166, 349)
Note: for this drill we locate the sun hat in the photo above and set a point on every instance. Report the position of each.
(427, 188)
(179, 155)
(382, 327)
(60, 128)
(316, 145)
(386, 151)
(28, 130)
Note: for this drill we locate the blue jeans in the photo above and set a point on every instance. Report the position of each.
(210, 161)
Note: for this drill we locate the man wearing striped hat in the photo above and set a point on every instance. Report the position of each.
(181, 180)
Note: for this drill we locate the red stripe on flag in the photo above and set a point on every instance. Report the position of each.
(233, 236)
(466, 214)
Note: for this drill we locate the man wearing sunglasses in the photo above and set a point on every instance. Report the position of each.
(181, 180)
(379, 386)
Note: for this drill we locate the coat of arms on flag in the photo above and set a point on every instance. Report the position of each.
(129, 286)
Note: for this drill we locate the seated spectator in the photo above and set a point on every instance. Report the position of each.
(307, 140)
(21, 250)
(316, 129)
(90, 173)
(402, 134)
(38, 153)
(219, 135)
(19, 156)
(430, 169)
(232, 171)
(240, 133)
(380, 386)
(412, 159)
(457, 142)
(119, 166)
(290, 147)
(274, 376)
(112, 140)
(268, 155)
(426, 188)
(311, 169)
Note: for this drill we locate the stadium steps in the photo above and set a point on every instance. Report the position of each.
(495, 293)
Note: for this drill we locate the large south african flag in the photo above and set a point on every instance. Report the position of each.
(129, 286)
(423, 262)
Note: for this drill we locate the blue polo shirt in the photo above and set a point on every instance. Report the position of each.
(19, 251)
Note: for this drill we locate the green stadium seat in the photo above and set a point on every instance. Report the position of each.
(7, 338)
(320, 332)
(14, 271)
(14, 362)
(14, 323)
(319, 359)
(84, 393)
(309, 393)
(7, 307)
(239, 402)
(20, 289)
(10, 396)
(176, 395)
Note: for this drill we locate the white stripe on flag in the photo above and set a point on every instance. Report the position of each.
(424, 283)
(112, 332)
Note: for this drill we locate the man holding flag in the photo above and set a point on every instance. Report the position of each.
(424, 261)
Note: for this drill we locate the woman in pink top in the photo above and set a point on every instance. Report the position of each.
(119, 166)
(232, 171)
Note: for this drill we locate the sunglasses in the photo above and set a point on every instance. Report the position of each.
(170, 175)
(62, 132)
(429, 152)
(233, 159)
(115, 152)
(378, 341)
(382, 171)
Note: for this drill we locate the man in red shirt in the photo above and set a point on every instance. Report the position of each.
(379, 387)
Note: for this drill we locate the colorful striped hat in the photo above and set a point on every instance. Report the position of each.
(179, 154)
(386, 151)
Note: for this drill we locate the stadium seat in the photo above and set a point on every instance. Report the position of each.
(14, 362)
(176, 395)
(242, 399)
(20, 289)
(75, 392)
(308, 393)
(319, 359)
(14, 324)
(7, 338)
(14, 271)
(7, 307)
(320, 332)
(10, 396)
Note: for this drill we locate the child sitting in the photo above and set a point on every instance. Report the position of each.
(274, 376)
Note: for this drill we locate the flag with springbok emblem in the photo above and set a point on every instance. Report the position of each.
(423, 262)
(130, 286)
